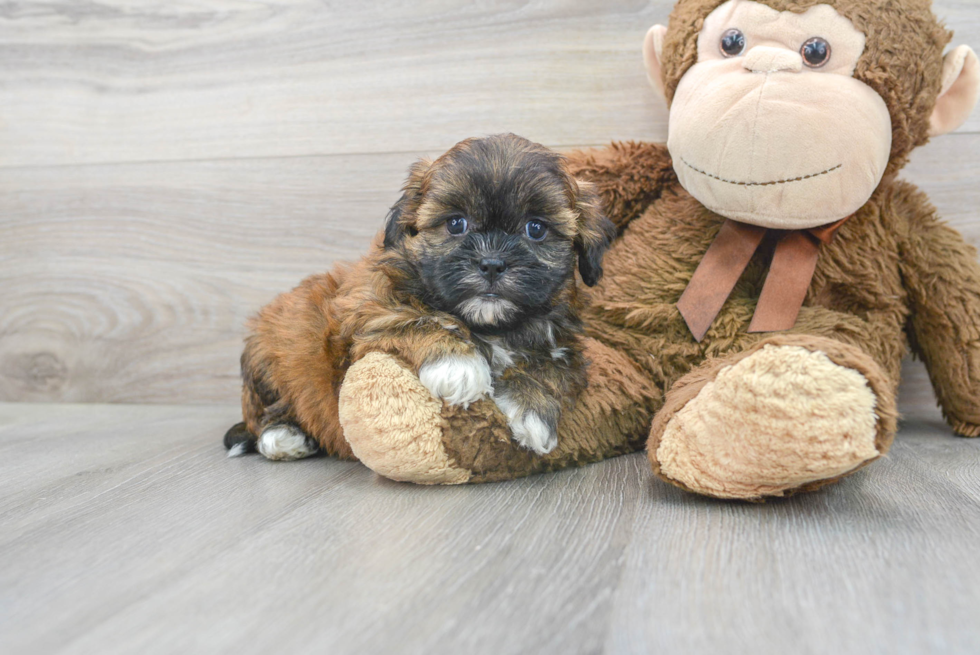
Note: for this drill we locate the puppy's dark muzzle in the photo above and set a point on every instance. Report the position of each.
(492, 268)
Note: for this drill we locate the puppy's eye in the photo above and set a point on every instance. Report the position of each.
(732, 43)
(535, 230)
(457, 226)
(816, 52)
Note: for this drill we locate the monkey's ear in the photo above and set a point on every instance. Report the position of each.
(595, 232)
(959, 92)
(653, 48)
(400, 221)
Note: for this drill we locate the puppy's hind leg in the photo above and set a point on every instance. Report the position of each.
(268, 427)
(281, 442)
(285, 442)
(242, 438)
(239, 440)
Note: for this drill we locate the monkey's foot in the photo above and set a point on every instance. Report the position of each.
(393, 424)
(775, 419)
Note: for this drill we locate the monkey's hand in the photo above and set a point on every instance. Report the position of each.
(396, 428)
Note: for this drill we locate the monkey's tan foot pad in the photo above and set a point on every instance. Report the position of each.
(393, 424)
(781, 418)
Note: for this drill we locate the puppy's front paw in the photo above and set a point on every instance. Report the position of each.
(529, 429)
(457, 379)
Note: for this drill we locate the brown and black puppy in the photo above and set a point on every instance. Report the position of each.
(473, 286)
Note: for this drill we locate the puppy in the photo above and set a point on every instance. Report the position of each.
(472, 284)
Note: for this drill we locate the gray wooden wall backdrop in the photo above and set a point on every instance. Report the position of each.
(167, 167)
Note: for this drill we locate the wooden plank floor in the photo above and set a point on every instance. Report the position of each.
(125, 529)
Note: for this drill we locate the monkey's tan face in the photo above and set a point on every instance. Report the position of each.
(769, 127)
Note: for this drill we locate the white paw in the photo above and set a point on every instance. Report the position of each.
(285, 442)
(457, 379)
(528, 429)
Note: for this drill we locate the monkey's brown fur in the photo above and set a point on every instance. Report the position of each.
(895, 278)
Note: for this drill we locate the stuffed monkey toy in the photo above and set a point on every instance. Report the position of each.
(770, 271)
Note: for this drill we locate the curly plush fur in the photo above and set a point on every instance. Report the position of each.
(895, 280)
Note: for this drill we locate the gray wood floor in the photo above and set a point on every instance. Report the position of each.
(125, 529)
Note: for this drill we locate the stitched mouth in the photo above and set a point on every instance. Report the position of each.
(773, 183)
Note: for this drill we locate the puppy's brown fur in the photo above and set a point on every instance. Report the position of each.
(300, 346)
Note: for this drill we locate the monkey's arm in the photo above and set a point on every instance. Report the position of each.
(942, 277)
(396, 429)
(628, 176)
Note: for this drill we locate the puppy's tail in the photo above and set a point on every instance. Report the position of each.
(239, 440)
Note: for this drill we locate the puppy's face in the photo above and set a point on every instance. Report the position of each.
(494, 228)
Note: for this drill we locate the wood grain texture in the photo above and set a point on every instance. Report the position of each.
(131, 283)
(115, 81)
(871, 565)
(125, 529)
(117, 277)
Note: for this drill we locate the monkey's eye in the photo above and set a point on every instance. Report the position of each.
(732, 43)
(535, 230)
(457, 226)
(816, 52)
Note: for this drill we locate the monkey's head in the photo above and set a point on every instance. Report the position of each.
(788, 113)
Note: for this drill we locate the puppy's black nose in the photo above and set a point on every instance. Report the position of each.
(491, 269)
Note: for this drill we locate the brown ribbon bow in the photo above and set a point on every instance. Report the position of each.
(785, 287)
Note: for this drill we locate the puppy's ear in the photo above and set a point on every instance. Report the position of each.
(595, 231)
(400, 221)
